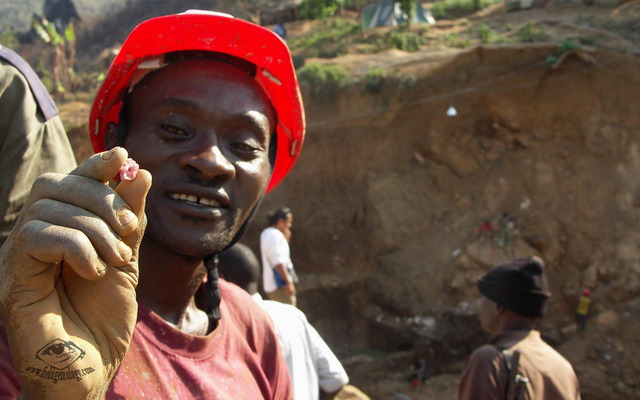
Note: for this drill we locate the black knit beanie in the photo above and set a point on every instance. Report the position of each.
(519, 285)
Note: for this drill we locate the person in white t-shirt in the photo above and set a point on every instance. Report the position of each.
(312, 365)
(278, 276)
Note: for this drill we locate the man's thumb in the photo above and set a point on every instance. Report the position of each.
(134, 193)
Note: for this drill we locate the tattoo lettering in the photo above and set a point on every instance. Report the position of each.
(59, 355)
(56, 375)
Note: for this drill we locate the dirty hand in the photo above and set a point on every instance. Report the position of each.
(68, 273)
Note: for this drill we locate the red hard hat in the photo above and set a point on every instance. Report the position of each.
(586, 292)
(210, 31)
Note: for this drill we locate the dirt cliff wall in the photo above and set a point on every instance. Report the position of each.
(389, 195)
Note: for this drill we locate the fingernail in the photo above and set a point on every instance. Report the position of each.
(106, 156)
(102, 271)
(125, 216)
(124, 251)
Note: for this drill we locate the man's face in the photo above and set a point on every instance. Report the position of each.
(488, 315)
(202, 128)
(285, 224)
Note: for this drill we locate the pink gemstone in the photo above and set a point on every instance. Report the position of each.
(129, 170)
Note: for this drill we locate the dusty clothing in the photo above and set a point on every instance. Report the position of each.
(550, 375)
(30, 144)
(239, 360)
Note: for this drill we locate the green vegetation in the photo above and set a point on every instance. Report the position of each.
(321, 79)
(566, 46)
(455, 40)
(8, 37)
(375, 78)
(531, 32)
(404, 40)
(355, 5)
(63, 47)
(486, 34)
(313, 9)
(325, 42)
(489, 36)
(451, 9)
(336, 36)
(407, 7)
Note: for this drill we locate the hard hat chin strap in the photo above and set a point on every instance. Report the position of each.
(212, 296)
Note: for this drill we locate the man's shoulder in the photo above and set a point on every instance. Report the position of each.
(269, 232)
(485, 353)
(241, 307)
(551, 354)
(283, 312)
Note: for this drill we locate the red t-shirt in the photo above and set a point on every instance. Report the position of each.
(241, 359)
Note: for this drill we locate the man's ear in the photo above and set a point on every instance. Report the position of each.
(111, 136)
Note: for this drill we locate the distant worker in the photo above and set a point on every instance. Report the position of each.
(61, 13)
(419, 371)
(32, 138)
(311, 363)
(507, 225)
(278, 276)
(280, 30)
(583, 310)
(516, 364)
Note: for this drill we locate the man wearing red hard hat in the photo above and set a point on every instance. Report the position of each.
(209, 106)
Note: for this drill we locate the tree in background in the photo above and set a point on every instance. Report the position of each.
(63, 47)
(8, 36)
(252, 8)
(407, 7)
(312, 9)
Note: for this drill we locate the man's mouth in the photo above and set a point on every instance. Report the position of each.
(190, 198)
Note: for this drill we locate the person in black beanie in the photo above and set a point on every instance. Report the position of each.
(516, 363)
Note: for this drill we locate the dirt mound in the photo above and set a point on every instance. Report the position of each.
(390, 194)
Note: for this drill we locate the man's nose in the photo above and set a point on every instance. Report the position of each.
(210, 161)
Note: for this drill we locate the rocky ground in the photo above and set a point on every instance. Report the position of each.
(389, 195)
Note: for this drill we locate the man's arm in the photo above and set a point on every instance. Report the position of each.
(331, 374)
(68, 273)
(481, 379)
(282, 270)
(29, 145)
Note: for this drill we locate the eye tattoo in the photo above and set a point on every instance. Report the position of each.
(56, 359)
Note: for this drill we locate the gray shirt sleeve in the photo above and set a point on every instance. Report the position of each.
(29, 145)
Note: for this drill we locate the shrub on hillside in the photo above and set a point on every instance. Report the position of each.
(312, 9)
(531, 33)
(451, 9)
(322, 79)
(405, 40)
(8, 37)
(330, 31)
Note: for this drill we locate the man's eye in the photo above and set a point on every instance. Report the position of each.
(174, 130)
(244, 147)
